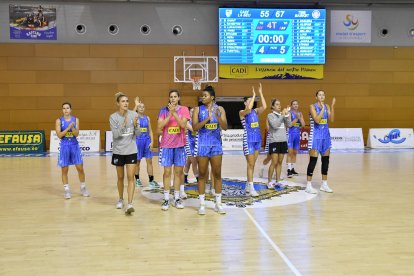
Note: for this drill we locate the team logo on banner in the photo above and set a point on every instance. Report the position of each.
(350, 26)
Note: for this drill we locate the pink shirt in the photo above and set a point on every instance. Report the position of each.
(173, 136)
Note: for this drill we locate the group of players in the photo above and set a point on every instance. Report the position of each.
(195, 139)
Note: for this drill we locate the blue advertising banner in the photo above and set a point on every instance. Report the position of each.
(22, 141)
(32, 22)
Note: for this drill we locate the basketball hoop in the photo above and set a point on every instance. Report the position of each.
(196, 82)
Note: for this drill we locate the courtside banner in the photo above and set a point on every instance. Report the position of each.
(347, 138)
(89, 141)
(390, 138)
(109, 139)
(304, 137)
(22, 141)
(232, 139)
(235, 71)
(350, 26)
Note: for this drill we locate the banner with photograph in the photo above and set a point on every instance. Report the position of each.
(350, 26)
(22, 141)
(32, 22)
(236, 71)
(89, 141)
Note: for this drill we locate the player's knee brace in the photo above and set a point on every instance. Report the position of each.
(325, 165)
(311, 165)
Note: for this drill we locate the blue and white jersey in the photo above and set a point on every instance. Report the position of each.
(320, 130)
(251, 127)
(191, 135)
(69, 138)
(144, 127)
(210, 133)
(295, 128)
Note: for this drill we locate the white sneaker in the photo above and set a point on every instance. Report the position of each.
(67, 194)
(120, 204)
(165, 205)
(202, 209)
(311, 190)
(130, 209)
(325, 188)
(84, 191)
(178, 203)
(183, 195)
(253, 192)
(271, 185)
(213, 192)
(219, 209)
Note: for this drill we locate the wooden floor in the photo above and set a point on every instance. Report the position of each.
(365, 228)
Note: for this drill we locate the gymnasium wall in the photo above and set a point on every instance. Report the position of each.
(374, 86)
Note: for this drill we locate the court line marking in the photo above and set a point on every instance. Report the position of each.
(273, 244)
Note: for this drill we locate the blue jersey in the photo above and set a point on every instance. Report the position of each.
(320, 130)
(69, 138)
(144, 127)
(251, 127)
(209, 134)
(295, 128)
(191, 135)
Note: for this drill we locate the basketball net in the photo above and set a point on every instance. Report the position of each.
(196, 83)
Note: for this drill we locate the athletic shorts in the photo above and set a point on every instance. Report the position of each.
(121, 160)
(144, 150)
(189, 148)
(320, 145)
(251, 147)
(69, 155)
(278, 147)
(209, 151)
(294, 141)
(172, 156)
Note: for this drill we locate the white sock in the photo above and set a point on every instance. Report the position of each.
(202, 199)
(289, 166)
(251, 186)
(166, 195)
(176, 195)
(182, 188)
(66, 187)
(325, 182)
(83, 185)
(218, 198)
(293, 165)
(308, 184)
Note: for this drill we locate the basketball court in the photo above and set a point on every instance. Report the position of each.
(364, 227)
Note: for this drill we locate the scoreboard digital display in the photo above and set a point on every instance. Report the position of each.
(272, 36)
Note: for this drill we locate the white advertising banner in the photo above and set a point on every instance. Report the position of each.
(347, 138)
(390, 138)
(350, 26)
(109, 139)
(89, 141)
(232, 139)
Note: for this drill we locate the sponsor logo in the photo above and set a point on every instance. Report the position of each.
(26, 138)
(211, 126)
(174, 130)
(254, 124)
(350, 22)
(144, 129)
(392, 137)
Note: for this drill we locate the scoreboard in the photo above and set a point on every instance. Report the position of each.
(272, 36)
